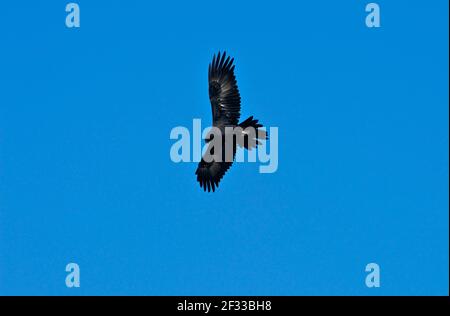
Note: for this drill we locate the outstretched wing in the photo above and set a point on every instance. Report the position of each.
(209, 174)
(223, 91)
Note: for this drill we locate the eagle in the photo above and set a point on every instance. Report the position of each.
(226, 110)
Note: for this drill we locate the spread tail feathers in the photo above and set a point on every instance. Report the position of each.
(252, 133)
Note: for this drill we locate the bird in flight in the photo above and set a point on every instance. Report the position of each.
(226, 107)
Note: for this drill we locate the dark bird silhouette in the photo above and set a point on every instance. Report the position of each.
(226, 106)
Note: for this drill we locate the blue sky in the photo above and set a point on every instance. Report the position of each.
(86, 176)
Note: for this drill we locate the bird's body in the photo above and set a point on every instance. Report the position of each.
(225, 106)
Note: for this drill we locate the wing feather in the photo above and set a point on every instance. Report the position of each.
(209, 174)
(223, 91)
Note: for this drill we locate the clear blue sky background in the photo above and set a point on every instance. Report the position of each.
(85, 173)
